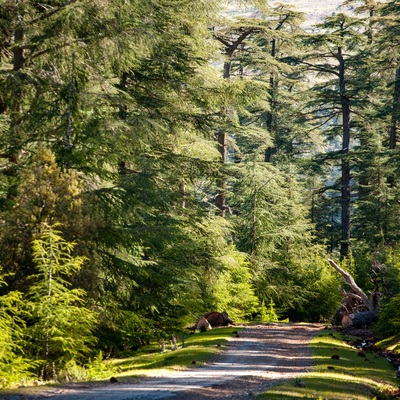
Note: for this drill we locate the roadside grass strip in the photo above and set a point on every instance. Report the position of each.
(341, 372)
(391, 343)
(199, 349)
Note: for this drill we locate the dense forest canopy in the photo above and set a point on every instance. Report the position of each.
(162, 159)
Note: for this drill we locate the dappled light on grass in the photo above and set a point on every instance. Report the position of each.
(347, 377)
(276, 357)
(236, 371)
(333, 392)
(199, 347)
(350, 376)
(327, 386)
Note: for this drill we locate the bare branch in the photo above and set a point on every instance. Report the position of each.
(351, 282)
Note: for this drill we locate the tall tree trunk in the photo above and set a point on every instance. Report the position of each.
(16, 104)
(122, 108)
(220, 200)
(395, 112)
(122, 113)
(230, 48)
(269, 152)
(221, 195)
(254, 216)
(269, 119)
(227, 70)
(394, 122)
(69, 113)
(271, 88)
(345, 167)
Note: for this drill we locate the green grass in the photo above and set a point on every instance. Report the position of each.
(199, 349)
(391, 343)
(353, 377)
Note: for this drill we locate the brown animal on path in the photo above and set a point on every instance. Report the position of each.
(203, 322)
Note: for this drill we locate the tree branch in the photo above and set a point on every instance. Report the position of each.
(351, 282)
(231, 47)
(282, 22)
(52, 12)
(223, 41)
(319, 68)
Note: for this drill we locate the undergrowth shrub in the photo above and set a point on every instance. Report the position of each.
(389, 318)
(96, 368)
(14, 367)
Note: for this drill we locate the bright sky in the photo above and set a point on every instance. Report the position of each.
(315, 9)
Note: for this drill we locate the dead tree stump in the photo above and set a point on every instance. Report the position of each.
(356, 309)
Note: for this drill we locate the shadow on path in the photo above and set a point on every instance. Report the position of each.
(262, 356)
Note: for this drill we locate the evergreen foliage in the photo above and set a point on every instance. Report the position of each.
(14, 366)
(46, 195)
(60, 326)
(167, 159)
(389, 318)
(233, 289)
(268, 314)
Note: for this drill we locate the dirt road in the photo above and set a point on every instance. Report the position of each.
(260, 357)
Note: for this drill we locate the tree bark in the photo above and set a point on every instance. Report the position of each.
(230, 47)
(270, 151)
(345, 168)
(269, 118)
(221, 183)
(16, 104)
(395, 112)
(359, 319)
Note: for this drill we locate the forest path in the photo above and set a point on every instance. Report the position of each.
(260, 357)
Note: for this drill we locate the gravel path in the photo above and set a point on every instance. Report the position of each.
(260, 357)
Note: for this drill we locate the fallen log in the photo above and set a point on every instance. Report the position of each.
(356, 308)
(357, 291)
(359, 319)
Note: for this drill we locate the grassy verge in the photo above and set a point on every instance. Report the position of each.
(350, 375)
(390, 344)
(149, 360)
(199, 349)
